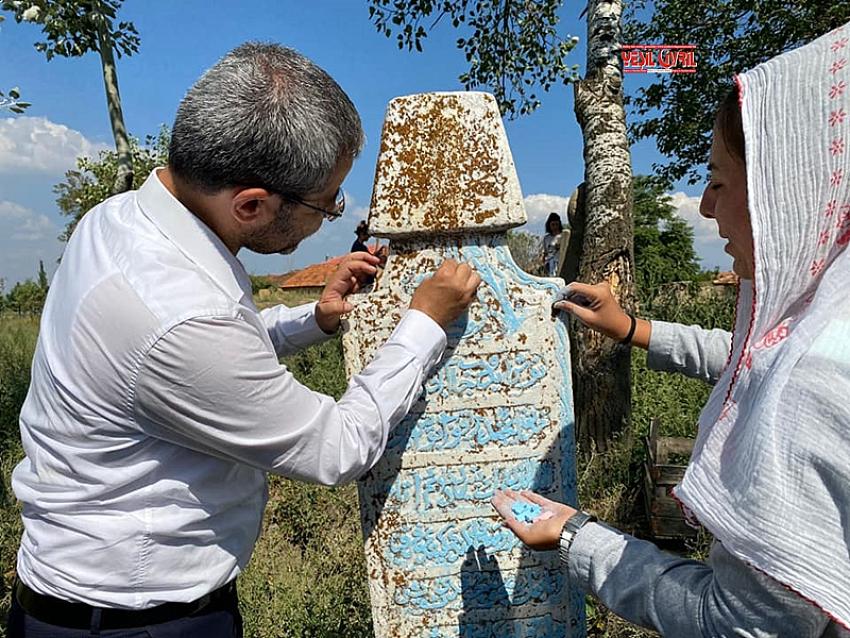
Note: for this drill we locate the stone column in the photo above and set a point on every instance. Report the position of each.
(498, 411)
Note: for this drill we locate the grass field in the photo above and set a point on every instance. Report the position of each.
(307, 578)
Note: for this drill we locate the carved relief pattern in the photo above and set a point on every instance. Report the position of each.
(496, 413)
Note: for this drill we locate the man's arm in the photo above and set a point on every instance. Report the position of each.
(693, 351)
(293, 329)
(212, 385)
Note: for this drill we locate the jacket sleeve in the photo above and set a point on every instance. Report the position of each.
(682, 598)
(690, 350)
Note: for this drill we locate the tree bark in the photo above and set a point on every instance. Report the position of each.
(124, 174)
(602, 246)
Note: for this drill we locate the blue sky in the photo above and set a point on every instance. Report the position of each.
(180, 39)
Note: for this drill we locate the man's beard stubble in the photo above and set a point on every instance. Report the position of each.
(278, 236)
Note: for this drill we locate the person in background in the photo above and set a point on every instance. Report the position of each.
(362, 232)
(770, 472)
(552, 245)
(158, 404)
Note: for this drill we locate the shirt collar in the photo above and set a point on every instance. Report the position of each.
(193, 238)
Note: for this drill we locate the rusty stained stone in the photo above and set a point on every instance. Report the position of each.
(444, 167)
(497, 412)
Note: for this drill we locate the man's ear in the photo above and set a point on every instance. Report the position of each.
(252, 205)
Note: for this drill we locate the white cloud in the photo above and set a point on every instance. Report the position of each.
(37, 145)
(23, 224)
(708, 244)
(359, 213)
(687, 206)
(538, 207)
(26, 236)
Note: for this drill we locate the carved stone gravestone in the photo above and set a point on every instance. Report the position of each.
(498, 411)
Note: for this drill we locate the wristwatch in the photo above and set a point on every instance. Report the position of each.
(571, 527)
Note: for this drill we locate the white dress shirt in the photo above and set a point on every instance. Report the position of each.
(157, 405)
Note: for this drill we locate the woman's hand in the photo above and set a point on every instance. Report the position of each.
(595, 307)
(544, 530)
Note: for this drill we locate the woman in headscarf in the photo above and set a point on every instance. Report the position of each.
(770, 472)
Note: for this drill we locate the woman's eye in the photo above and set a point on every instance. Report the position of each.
(714, 187)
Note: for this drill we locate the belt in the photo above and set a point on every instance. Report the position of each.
(76, 615)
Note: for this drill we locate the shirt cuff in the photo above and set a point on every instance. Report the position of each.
(422, 336)
(301, 327)
(660, 346)
(591, 538)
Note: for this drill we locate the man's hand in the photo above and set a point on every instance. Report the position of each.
(446, 295)
(544, 532)
(354, 269)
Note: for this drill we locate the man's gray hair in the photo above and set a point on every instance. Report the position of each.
(264, 116)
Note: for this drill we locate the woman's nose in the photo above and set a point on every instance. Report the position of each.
(706, 204)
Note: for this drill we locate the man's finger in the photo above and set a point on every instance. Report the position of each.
(372, 259)
(336, 306)
(448, 267)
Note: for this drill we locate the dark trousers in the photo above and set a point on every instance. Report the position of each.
(224, 622)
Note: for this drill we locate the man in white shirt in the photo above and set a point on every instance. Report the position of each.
(157, 403)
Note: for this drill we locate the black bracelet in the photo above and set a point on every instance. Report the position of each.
(628, 338)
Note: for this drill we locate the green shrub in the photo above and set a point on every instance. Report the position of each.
(307, 578)
(17, 344)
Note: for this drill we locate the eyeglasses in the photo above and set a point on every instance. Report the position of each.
(330, 215)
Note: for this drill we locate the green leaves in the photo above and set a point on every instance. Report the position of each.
(664, 242)
(513, 48)
(12, 101)
(731, 36)
(75, 27)
(91, 182)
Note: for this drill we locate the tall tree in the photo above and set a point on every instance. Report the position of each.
(601, 220)
(11, 99)
(92, 180)
(75, 27)
(731, 36)
(664, 242)
(42, 277)
(511, 48)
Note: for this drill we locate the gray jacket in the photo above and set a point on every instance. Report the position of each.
(681, 598)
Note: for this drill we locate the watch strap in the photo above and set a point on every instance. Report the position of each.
(568, 533)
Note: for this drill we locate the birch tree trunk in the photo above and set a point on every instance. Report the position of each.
(602, 243)
(124, 173)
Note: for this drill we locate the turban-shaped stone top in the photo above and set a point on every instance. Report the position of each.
(444, 168)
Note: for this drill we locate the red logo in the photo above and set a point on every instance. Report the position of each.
(659, 58)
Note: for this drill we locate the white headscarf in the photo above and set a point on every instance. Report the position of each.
(770, 474)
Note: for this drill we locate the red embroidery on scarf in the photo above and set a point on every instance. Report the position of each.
(739, 83)
(817, 267)
(749, 361)
(837, 90)
(838, 44)
(837, 117)
(836, 177)
(830, 208)
(838, 65)
(837, 146)
(844, 229)
(726, 410)
(774, 336)
(824, 238)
